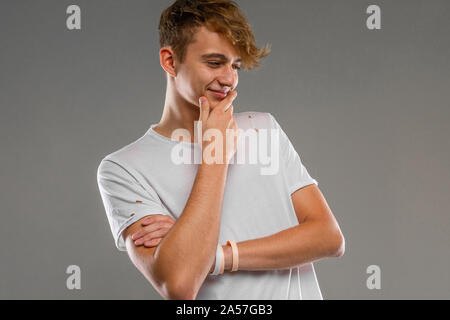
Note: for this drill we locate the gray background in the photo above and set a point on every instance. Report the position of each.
(368, 112)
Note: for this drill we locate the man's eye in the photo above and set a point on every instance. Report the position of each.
(216, 64)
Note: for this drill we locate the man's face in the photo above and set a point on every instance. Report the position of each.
(211, 63)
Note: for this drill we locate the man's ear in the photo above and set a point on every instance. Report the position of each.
(168, 61)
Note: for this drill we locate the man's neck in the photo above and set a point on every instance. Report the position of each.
(177, 114)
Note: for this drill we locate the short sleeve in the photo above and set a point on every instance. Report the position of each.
(295, 172)
(124, 198)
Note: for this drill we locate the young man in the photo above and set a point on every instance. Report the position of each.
(174, 219)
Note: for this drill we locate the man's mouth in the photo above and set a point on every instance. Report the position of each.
(219, 94)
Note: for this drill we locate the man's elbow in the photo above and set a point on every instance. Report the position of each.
(179, 291)
(338, 248)
(170, 289)
(177, 285)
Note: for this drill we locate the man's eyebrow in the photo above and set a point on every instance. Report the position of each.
(219, 56)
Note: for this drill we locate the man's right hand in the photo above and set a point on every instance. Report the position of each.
(220, 118)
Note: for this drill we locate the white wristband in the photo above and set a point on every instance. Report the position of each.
(219, 258)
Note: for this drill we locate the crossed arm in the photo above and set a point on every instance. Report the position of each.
(317, 236)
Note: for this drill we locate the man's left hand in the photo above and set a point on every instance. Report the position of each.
(154, 228)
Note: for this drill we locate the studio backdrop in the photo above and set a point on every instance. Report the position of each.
(360, 87)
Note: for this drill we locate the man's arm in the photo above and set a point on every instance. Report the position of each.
(318, 236)
(180, 263)
(144, 259)
(178, 266)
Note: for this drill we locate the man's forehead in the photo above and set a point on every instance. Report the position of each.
(211, 44)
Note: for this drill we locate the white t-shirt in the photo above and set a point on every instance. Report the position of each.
(142, 179)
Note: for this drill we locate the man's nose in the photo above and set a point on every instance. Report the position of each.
(228, 77)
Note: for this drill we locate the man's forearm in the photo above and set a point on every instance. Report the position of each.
(187, 251)
(295, 246)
